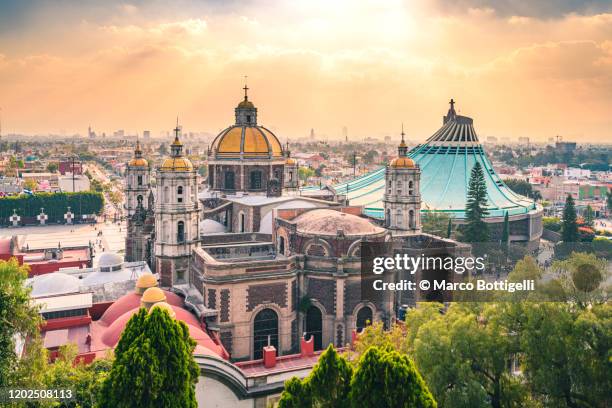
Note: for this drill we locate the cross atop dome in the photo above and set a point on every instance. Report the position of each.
(246, 88)
(402, 149)
(246, 112)
(176, 148)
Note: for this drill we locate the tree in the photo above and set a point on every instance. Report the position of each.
(609, 201)
(305, 173)
(569, 226)
(523, 187)
(52, 167)
(388, 379)
(330, 381)
(574, 369)
(589, 216)
(30, 184)
(153, 365)
(476, 230)
(449, 228)
(435, 223)
(18, 318)
(505, 237)
(295, 395)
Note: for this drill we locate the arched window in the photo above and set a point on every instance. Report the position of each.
(314, 326)
(180, 232)
(388, 218)
(399, 216)
(290, 176)
(179, 194)
(140, 180)
(364, 317)
(410, 188)
(265, 331)
(139, 200)
(411, 221)
(281, 245)
(242, 222)
(255, 183)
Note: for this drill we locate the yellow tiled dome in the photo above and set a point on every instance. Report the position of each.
(248, 141)
(176, 164)
(153, 295)
(138, 162)
(402, 162)
(146, 280)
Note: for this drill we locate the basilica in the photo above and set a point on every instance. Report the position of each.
(259, 260)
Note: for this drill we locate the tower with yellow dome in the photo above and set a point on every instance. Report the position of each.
(176, 215)
(246, 157)
(137, 181)
(402, 199)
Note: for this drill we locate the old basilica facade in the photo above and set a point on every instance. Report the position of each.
(258, 261)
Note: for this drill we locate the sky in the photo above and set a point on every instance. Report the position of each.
(520, 68)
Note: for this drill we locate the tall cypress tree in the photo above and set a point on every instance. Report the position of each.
(449, 228)
(569, 227)
(388, 379)
(154, 365)
(330, 380)
(476, 230)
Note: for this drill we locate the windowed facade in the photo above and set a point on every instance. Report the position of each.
(179, 194)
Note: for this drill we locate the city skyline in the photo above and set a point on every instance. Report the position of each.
(529, 70)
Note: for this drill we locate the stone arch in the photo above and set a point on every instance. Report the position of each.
(354, 249)
(318, 247)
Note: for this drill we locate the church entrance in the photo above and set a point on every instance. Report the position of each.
(314, 326)
(229, 181)
(265, 327)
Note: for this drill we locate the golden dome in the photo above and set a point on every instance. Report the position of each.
(246, 104)
(153, 295)
(146, 281)
(250, 141)
(138, 162)
(164, 306)
(176, 164)
(402, 162)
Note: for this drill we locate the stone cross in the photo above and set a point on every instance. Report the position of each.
(15, 218)
(42, 217)
(69, 216)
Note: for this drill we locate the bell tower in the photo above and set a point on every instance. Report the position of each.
(137, 181)
(176, 215)
(402, 199)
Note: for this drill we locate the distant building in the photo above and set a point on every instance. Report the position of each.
(565, 147)
(491, 139)
(90, 133)
(146, 134)
(523, 140)
(345, 133)
(68, 166)
(119, 133)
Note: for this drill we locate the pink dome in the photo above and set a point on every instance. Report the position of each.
(132, 301)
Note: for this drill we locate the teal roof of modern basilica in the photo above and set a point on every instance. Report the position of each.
(446, 160)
